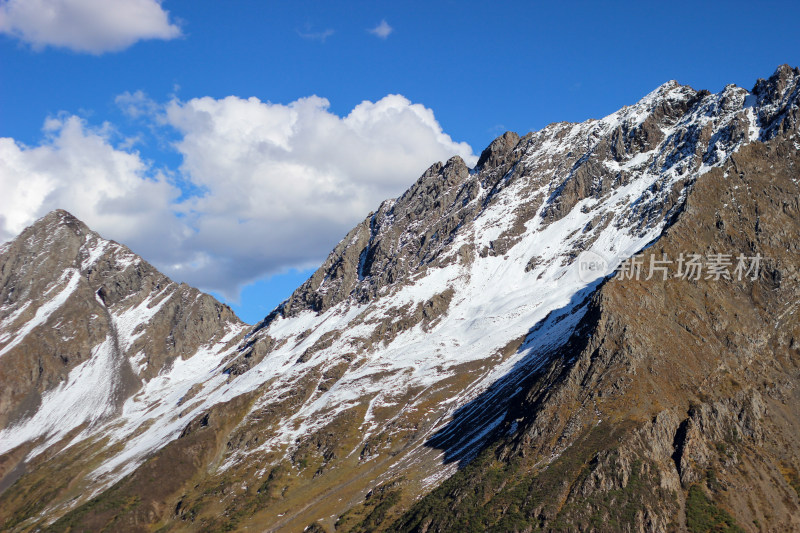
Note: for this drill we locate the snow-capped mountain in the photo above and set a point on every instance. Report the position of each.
(84, 324)
(144, 403)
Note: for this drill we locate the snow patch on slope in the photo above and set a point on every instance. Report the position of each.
(157, 410)
(83, 398)
(69, 279)
(130, 320)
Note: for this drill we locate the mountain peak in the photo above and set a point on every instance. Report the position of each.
(60, 217)
(778, 101)
(663, 91)
(784, 77)
(498, 148)
(785, 72)
(78, 310)
(667, 86)
(57, 232)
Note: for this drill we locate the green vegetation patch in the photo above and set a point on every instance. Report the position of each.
(373, 512)
(516, 495)
(703, 516)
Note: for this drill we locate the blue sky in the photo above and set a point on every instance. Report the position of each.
(146, 130)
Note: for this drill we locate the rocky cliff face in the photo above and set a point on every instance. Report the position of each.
(458, 326)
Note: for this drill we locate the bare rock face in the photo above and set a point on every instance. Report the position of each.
(496, 155)
(774, 98)
(388, 246)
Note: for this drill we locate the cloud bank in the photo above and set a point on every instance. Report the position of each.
(262, 187)
(93, 26)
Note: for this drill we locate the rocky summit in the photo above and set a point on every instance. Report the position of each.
(594, 329)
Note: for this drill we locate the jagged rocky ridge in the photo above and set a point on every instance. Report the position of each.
(452, 321)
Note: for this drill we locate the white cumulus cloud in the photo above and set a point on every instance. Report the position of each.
(272, 186)
(382, 30)
(76, 168)
(93, 26)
